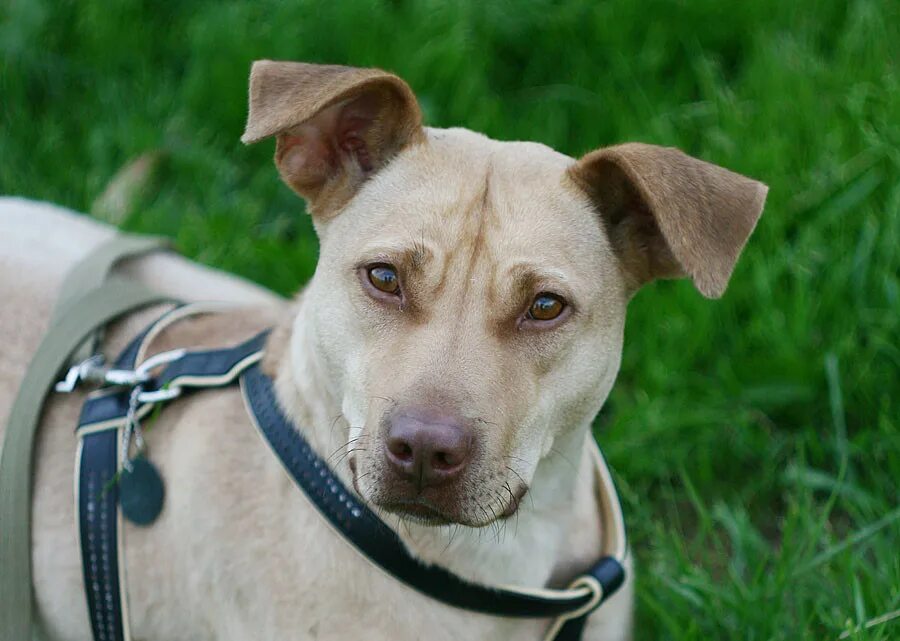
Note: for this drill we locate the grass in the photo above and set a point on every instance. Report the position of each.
(755, 439)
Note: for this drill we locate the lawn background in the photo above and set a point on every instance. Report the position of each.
(754, 439)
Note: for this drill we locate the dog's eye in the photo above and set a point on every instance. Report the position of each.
(384, 278)
(546, 307)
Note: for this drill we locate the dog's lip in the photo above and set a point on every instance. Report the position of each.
(419, 509)
(422, 510)
(515, 501)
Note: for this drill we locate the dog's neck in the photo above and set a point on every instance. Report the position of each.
(531, 548)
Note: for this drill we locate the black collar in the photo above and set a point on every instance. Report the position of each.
(382, 546)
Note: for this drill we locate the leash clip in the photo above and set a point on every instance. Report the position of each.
(85, 370)
(94, 370)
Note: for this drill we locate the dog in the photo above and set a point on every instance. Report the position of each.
(463, 328)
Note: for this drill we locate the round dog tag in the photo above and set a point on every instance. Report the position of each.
(141, 492)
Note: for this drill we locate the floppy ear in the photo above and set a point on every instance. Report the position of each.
(669, 215)
(335, 126)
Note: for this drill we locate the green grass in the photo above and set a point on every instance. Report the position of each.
(755, 439)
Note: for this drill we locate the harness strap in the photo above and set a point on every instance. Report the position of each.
(84, 315)
(92, 271)
(102, 433)
(97, 513)
(108, 409)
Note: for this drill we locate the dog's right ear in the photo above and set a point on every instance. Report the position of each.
(669, 215)
(335, 126)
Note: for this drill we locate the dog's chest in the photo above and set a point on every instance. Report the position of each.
(239, 552)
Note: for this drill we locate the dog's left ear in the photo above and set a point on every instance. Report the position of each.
(335, 126)
(669, 215)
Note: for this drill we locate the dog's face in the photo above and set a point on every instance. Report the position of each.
(478, 311)
(470, 296)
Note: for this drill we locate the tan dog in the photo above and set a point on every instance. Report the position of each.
(463, 328)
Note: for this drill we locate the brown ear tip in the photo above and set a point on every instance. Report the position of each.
(253, 132)
(257, 70)
(256, 129)
(762, 192)
(711, 289)
(261, 64)
(713, 284)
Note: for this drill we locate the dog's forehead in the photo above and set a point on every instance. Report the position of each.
(513, 197)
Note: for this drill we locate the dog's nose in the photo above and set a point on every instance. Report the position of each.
(427, 448)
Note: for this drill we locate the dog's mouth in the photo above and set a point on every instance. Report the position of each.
(438, 510)
(415, 509)
(419, 510)
(423, 511)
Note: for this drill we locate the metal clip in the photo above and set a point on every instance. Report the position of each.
(160, 395)
(124, 377)
(144, 369)
(156, 360)
(91, 369)
(94, 370)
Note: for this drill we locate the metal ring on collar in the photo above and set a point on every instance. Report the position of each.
(156, 360)
(160, 395)
(143, 371)
(584, 581)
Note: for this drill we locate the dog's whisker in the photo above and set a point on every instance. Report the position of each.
(449, 539)
(494, 523)
(524, 484)
(342, 450)
(559, 453)
(513, 501)
(331, 427)
(347, 444)
(348, 453)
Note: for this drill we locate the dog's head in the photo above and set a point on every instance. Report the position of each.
(470, 295)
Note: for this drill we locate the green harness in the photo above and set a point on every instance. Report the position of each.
(89, 299)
